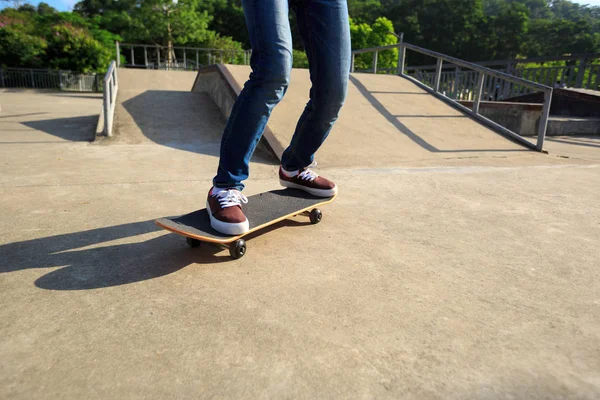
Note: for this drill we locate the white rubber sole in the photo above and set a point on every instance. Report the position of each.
(314, 192)
(227, 228)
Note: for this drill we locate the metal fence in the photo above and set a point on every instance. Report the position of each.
(176, 57)
(579, 71)
(476, 86)
(460, 84)
(111, 84)
(50, 79)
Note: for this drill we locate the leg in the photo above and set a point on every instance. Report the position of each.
(271, 62)
(324, 27)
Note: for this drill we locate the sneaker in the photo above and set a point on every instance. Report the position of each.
(224, 207)
(309, 181)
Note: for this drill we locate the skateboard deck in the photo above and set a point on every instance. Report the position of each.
(262, 210)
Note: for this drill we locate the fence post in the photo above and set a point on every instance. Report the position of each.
(544, 120)
(375, 54)
(1, 77)
(197, 60)
(32, 79)
(132, 56)
(477, 102)
(438, 75)
(157, 57)
(184, 59)
(221, 56)
(580, 73)
(106, 104)
(146, 56)
(456, 80)
(401, 59)
(352, 60)
(60, 83)
(400, 68)
(118, 55)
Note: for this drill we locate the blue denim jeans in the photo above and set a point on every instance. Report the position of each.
(325, 31)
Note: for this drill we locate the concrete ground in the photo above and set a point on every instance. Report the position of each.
(475, 279)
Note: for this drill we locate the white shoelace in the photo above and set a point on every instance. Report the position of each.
(307, 174)
(230, 198)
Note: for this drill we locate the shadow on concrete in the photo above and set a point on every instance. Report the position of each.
(188, 121)
(22, 115)
(409, 93)
(430, 116)
(578, 141)
(75, 129)
(393, 119)
(81, 96)
(82, 267)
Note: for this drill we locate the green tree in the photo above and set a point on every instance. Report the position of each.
(380, 33)
(168, 23)
(75, 49)
(45, 9)
(505, 32)
(18, 49)
(227, 19)
(45, 38)
(365, 10)
(448, 26)
(560, 36)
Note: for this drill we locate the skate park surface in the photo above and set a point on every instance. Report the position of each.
(454, 264)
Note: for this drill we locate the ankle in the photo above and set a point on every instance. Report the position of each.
(289, 174)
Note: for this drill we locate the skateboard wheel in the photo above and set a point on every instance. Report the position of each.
(193, 242)
(238, 249)
(315, 216)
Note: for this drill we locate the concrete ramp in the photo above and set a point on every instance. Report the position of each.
(387, 120)
(159, 107)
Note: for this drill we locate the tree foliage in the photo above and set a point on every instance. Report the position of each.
(43, 38)
(380, 33)
(474, 30)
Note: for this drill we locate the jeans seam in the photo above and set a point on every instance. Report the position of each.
(312, 53)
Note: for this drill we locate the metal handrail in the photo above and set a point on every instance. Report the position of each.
(483, 72)
(111, 87)
(479, 68)
(186, 52)
(516, 61)
(380, 48)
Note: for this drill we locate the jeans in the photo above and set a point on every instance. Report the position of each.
(325, 31)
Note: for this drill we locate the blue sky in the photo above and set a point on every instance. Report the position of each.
(64, 5)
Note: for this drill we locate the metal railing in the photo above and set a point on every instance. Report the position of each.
(463, 82)
(481, 74)
(49, 79)
(176, 57)
(580, 71)
(111, 86)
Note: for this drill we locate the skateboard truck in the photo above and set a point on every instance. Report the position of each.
(263, 210)
(237, 249)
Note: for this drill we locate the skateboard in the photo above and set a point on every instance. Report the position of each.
(262, 210)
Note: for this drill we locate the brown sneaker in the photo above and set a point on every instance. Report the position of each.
(224, 207)
(309, 181)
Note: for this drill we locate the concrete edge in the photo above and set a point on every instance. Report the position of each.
(493, 126)
(503, 104)
(233, 89)
(100, 125)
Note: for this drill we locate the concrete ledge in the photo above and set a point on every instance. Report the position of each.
(561, 126)
(100, 125)
(223, 89)
(521, 118)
